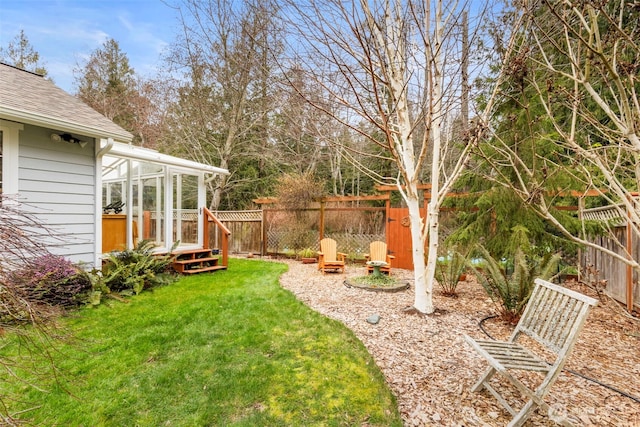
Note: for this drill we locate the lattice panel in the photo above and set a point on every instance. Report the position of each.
(187, 214)
(603, 215)
(611, 213)
(238, 216)
(354, 245)
(281, 241)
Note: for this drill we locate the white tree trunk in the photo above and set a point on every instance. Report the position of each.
(392, 43)
(424, 287)
(423, 299)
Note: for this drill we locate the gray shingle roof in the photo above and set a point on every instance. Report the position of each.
(30, 98)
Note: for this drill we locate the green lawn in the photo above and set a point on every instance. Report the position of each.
(230, 348)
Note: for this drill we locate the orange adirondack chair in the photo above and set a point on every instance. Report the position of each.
(329, 258)
(378, 252)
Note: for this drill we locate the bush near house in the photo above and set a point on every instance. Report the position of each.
(58, 282)
(132, 271)
(50, 279)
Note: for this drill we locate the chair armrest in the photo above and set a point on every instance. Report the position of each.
(367, 256)
(341, 256)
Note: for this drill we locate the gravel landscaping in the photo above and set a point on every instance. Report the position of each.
(431, 369)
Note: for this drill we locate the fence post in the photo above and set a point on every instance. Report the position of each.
(263, 246)
(322, 204)
(582, 262)
(225, 249)
(629, 269)
(387, 213)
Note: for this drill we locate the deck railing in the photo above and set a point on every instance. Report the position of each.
(224, 233)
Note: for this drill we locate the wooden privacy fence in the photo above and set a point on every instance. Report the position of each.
(275, 230)
(352, 221)
(622, 280)
(245, 228)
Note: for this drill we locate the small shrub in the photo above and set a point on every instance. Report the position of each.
(381, 281)
(307, 253)
(511, 291)
(448, 271)
(133, 270)
(51, 279)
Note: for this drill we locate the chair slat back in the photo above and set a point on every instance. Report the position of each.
(554, 316)
(329, 249)
(378, 251)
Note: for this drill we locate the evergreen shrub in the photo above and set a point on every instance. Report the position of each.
(133, 270)
(448, 271)
(511, 289)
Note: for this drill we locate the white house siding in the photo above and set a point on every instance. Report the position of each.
(56, 183)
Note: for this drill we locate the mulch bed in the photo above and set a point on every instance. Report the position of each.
(430, 368)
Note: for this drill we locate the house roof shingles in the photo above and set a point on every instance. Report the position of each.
(30, 98)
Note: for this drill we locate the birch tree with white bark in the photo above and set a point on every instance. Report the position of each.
(578, 65)
(392, 72)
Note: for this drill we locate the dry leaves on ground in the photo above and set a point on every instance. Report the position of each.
(431, 369)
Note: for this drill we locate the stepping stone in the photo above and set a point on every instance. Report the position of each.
(373, 319)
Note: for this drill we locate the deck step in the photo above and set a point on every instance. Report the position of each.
(196, 260)
(205, 269)
(193, 253)
(193, 261)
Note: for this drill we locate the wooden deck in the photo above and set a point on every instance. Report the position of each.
(186, 261)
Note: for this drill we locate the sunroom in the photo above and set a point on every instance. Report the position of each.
(147, 195)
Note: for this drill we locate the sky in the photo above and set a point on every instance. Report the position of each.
(66, 32)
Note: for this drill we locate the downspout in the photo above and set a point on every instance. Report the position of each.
(97, 261)
(104, 150)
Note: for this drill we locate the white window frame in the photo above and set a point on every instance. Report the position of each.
(10, 142)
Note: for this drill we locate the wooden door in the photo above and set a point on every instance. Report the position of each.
(399, 237)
